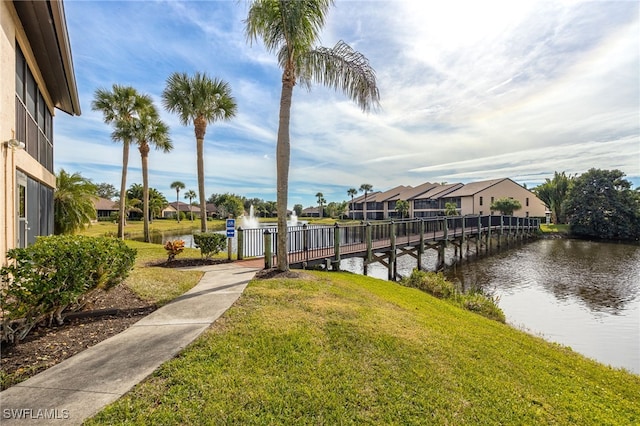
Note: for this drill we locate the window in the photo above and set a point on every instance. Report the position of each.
(34, 122)
(527, 202)
(491, 200)
(481, 202)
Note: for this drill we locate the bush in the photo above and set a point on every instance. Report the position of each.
(483, 304)
(210, 243)
(44, 279)
(437, 285)
(431, 282)
(173, 249)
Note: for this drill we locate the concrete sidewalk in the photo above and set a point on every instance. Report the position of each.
(79, 387)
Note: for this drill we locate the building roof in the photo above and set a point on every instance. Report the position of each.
(184, 207)
(475, 187)
(360, 198)
(390, 194)
(45, 26)
(105, 204)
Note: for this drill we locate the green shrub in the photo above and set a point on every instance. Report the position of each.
(210, 243)
(44, 279)
(437, 285)
(431, 282)
(483, 304)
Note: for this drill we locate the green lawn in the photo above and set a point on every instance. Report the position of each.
(134, 228)
(338, 348)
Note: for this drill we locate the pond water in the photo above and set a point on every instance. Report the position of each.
(581, 294)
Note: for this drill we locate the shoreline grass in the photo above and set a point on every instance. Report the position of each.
(554, 229)
(339, 348)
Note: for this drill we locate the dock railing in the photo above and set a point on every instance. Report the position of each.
(309, 243)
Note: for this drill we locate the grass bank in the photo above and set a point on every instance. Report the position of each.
(338, 348)
(554, 229)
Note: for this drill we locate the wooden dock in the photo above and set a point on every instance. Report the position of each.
(384, 241)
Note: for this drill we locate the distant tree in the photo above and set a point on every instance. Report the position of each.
(120, 106)
(271, 207)
(450, 209)
(191, 195)
(506, 206)
(601, 204)
(402, 207)
(73, 206)
(157, 203)
(553, 192)
(229, 204)
(130, 205)
(321, 201)
(366, 188)
(351, 192)
(336, 210)
(156, 200)
(177, 185)
(298, 209)
(199, 100)
(106, 190)
(291, 29)
(147, 130)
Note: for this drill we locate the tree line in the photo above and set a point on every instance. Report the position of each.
(596, 204)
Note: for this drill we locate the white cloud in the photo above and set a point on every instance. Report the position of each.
(469, 91)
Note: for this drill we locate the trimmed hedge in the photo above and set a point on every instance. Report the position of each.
(52, 275)
(210, 243)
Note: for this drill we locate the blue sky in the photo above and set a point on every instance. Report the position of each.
(469, 91)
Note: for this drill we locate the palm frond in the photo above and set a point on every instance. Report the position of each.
(341, 68)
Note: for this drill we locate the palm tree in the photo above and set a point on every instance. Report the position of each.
(147, 129)
(290, 29)
(320, 197)
(402, 207)
(366, 188)
(190, 194)
(352, 192)
(199, 100)
(177, 185)
(120, 106)
(73, 202)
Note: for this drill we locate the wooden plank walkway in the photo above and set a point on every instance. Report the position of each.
(381, 241)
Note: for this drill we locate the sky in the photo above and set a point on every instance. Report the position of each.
(469, 91)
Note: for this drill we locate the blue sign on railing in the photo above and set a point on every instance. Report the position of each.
(231, 228)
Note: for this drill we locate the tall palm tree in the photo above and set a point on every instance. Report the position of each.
(73, 206)
(199, 100)
(290, 29)
(177, 185)
(191, 195)
(120, 106)
(147, 129)
(366, 188)
(352, 192)
(320, 197)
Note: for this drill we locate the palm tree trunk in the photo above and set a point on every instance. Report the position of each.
(144, 152)
(201, 191)
(283, 154)
(178, 204)
(123, 188)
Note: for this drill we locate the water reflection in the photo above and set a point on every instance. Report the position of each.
(602, 276)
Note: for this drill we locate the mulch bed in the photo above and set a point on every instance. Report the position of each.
(108, 314)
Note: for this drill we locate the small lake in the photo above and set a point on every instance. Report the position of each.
(581, 294)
